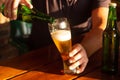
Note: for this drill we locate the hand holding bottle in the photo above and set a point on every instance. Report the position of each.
(11, 7)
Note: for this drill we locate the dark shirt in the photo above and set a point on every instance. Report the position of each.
(78, 13)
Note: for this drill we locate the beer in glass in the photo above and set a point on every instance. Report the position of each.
(61, 35)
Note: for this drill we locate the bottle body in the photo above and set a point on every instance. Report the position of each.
(110, 44)
(110, 52)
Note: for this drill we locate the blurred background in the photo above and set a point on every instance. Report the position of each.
(8, 50)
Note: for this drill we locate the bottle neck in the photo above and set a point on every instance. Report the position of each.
(112, 17)
(28, 14)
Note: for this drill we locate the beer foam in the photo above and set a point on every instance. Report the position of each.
(62, 35)
(63, 25)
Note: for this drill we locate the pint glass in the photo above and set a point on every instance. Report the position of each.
(61, 35)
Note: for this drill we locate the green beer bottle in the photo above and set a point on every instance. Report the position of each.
(26, 14)
(111, 43)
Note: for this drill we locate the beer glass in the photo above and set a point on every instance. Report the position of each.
(61, 35)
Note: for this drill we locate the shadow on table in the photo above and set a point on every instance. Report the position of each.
(46, 59)
(39, 61)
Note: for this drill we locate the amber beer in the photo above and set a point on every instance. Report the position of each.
(62, 39)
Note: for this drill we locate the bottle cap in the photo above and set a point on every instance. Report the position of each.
(113, 4)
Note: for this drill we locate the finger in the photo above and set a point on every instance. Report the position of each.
(1, 7)
(9, 8)
(76, 49)
(1, 2)
(6, 12)
(81, 68)
(81, 62)
(27, 3)
(75, 58)
(15, 8)
(83, 65)
(73, 66)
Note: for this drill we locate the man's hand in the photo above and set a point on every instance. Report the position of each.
(11, 7)
(78, 58)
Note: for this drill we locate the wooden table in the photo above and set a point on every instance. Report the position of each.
(38, 65)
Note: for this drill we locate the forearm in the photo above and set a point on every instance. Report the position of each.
(93, 39)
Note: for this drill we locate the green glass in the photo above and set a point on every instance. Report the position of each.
(29, 14)
(111, 43)
(26, 14)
